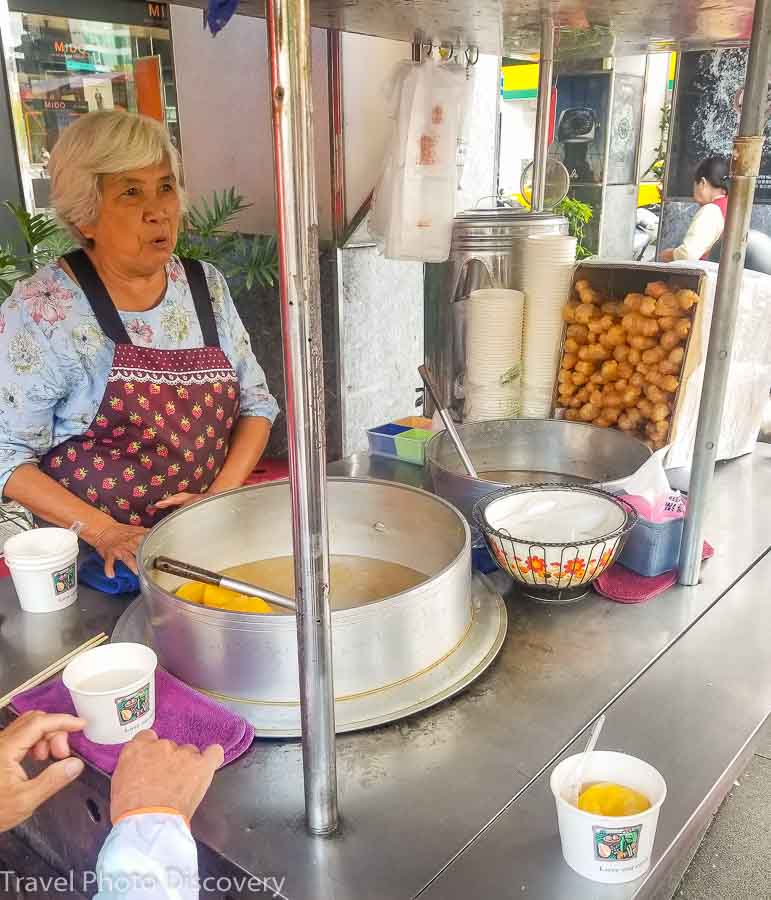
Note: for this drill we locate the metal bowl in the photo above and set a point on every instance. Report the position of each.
(510, 452)
(558, 571)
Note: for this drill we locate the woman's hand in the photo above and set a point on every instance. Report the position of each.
(180, 500)
(119, 542)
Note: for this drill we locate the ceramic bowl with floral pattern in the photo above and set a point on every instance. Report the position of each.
(554, 537)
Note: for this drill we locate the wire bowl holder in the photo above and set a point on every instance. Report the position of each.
(559, 571)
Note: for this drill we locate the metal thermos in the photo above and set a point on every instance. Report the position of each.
(487, 248)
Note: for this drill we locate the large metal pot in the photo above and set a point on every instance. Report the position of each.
(253, 657)
(522, 451)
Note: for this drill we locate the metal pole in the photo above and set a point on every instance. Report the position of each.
(336, 134)
(289, 52)
(541, 147)
(744, 171)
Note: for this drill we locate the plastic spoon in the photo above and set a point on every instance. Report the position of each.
(448, 422)
(578, 773)
(186, 570)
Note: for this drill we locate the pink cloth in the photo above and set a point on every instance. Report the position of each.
(624, 586)
(181, 715)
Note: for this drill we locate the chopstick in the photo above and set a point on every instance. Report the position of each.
(55, 667)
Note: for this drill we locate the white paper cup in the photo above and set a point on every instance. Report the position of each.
(43, 563)
(113, 689)
(611, 849)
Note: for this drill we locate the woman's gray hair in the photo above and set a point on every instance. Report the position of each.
(106, 142)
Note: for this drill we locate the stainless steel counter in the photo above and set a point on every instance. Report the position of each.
(416, 793)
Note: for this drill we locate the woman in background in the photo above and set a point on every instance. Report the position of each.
(710, 191)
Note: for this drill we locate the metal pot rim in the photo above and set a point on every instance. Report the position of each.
(343, 615)
(464, 476)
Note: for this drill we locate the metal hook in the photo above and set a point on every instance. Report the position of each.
(446, 51)
(428, 48)
(472, 56)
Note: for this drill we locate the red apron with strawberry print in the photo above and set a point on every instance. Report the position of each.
(164, 423)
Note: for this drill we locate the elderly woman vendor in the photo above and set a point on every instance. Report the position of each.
(127, 383)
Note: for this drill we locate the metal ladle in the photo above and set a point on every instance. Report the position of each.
(186, 570)
(448, 422)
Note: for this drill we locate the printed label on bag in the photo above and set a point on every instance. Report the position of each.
(133, 707)
(65, 580)
(618, 845)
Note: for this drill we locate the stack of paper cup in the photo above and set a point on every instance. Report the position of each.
(547, 272)
(494, 320)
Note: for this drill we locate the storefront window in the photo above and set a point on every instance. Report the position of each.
(68, 67)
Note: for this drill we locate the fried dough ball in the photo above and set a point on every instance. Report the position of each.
(630, 396)
(564, 377)
(669, 340)
(677, 355)
(572, 345)
(634, 356)
(629, 420)
(652, 356)
(610, 414)
(616, 334)
(625, 370)
(645, 407)
(667, 323)
(654, 393)
(572, 415)
(579, 333)
(588, 412)
(585, 367)
(597, 326)
(612, 398)
(648, 307)
(668, 383)
(569, 312)
(621, 352)
(594, 353)
(641, 342)
(566, 391)
(597, 378)
(668, 368)
(682, 327)
(583, 285)
(660, 412)
(569, 360)
(687, 299)
(600, 422)
(632, 323)
(612, 308)
(579, 378)
(609, 369)
(667, 305)
(620, 386)
(632, 302)
(656, 288)
(582, 395)
(637, 380)
(585, 312)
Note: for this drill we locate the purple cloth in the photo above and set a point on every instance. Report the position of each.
(625, 586)
(181, 715)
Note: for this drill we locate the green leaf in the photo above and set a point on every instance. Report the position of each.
(209, 220)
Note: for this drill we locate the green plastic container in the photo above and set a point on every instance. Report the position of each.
(411, 445)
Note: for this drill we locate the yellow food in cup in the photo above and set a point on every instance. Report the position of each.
(608, 799)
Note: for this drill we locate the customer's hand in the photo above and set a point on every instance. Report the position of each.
(119, 542)
(41, 736)
(668, 256)
(152, 772)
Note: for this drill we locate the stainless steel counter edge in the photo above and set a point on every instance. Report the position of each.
(412, 794)
(693, 716)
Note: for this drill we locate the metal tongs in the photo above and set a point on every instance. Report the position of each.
(195, 573)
